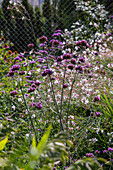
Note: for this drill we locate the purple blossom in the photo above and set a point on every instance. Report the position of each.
(13, 93)
(79, 68)
(65, 85)
(59, 58)
(31, 45)
(18, 58)
(42, 45)
(43, 52)
(15, 67)
(98, 114)
(96, 98)
(43, 39)
(73, 61)
(32, 62)
(31, 89)
(97, 151)
(58, 31)
(37, 83)
(67, 56)
(89, 155)
(46, 72)
(104, 151)
(39, 105)
(11, 73)
(21, 72)
(110, 149)
(56, 34)
(82, 59)
(71, 66)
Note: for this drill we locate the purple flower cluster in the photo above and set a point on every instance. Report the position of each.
(13, 69)
(13, 93)
(67, 56)
(47, 72)
(43, 39)
(110, 149)
(37, 105)
(96, 98)
(82, 43)
(89, 155)
(31, 89)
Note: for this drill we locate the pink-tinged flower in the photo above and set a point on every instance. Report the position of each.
(98, 114)
(43, 39)
(39, 105)
(33, 85)
(47, 72)
(37, 83)
(65, 86)
(56, 34)
(89, 155)
(73, 61)
(31, 89)
(79, 68)
(71, 66)
(97, 151)
(58, 30)
(67, 56)
(104, 151)
(32, 62)
(30, 45)
(82, 59)
(55, 43)
(96, 98)
(15, 67)
(11, 73)
(13, 93)
(110, 149)
(59, 58)
(21, 72)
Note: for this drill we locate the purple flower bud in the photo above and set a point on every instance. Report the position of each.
(13, 93)
(71, 66)
(73, 61)
(43, 39)
(65, 85)
(96, 98)
(39, 105)
(110, 149)
(67, 56)
(98, 114)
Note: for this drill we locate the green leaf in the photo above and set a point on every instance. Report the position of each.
(43, 141)
(3, 142)
(34, 142)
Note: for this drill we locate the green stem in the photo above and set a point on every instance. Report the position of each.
(70, 94)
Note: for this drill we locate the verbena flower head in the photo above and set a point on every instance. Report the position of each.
(65, 86)
(47, 72)
(13, 93)
(82, 59)
(43, 39)
(71, 66)
(15, 67)
(30, 45)
(67, 56)
(73, 61)
(39, 105)
(110, 149)
(31, 89)
(21, 72)
(96, 98)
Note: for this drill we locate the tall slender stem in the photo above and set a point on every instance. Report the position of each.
(54, 99)
(70, 94)
(62, 90)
